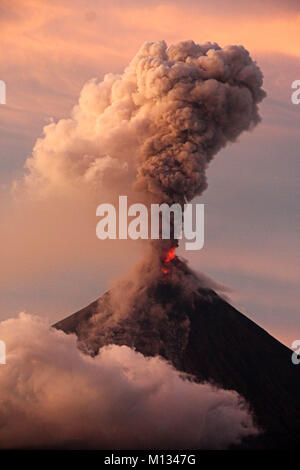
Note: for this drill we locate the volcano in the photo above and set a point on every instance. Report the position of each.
(201, 334)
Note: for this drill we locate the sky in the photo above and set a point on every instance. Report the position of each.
(52, 263)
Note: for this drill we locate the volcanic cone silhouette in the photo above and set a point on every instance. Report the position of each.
(175, 316)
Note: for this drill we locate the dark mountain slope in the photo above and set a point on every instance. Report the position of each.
(205, 336)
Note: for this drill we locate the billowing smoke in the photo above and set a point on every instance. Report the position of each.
(53, 396)
(197, 98)
(156, 127)
(151, 132)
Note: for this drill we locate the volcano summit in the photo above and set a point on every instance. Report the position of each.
(169, 311)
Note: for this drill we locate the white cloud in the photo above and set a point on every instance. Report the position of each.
(53, 396)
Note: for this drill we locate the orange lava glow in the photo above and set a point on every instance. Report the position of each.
(170, 255)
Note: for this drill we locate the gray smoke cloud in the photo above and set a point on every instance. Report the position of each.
(198, 98)
(150, 132)
(53, 396)
(154, 128)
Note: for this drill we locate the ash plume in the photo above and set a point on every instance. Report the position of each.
(198, 98)
(151, 131)
(154, 128)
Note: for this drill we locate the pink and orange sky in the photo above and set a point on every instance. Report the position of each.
(52, 263)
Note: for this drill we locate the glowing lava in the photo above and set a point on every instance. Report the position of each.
(170, 255)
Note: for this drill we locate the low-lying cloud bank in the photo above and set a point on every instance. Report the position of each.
(53, 396)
